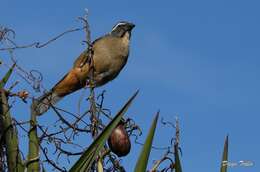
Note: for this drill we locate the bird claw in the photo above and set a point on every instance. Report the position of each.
(90, 84)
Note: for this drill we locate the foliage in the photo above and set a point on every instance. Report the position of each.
(223, 166)
(144, 155)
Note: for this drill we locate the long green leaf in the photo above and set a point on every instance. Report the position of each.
(7, 76)
(177, 159)
(224, 161)
(144, 155)
(89, 156)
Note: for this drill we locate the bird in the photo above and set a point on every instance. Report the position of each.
(109, 55)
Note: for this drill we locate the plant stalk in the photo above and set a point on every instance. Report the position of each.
(33, 164)
(9, 137)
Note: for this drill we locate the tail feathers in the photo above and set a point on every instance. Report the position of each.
(43, 103)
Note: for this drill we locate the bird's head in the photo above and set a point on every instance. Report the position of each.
(121, 28)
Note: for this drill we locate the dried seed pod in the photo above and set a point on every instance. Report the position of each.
(119, 141)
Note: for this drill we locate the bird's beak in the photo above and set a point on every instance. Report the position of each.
(131, 26)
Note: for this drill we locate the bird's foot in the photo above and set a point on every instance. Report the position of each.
(90, 84)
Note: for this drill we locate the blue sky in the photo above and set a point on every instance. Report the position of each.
(198, 60)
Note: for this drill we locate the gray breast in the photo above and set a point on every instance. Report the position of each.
(110, 56)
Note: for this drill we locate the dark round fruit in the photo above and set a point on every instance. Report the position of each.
(119, 141)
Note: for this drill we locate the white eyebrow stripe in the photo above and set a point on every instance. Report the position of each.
(118, 24)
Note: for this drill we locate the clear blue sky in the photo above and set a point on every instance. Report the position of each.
(198, 60)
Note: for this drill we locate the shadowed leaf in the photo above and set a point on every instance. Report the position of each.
(7, 76)
(144, 155)
(177, 159)
(224, 161)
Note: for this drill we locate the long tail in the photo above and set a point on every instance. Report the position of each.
(70, 83)
(43, 103)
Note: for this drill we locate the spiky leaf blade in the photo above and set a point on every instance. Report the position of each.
(177, 159)
(142, 161)
(224, 161)
(7, 76)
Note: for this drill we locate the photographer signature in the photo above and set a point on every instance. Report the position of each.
(242, 163)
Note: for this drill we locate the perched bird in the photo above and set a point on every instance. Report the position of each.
(110, 54)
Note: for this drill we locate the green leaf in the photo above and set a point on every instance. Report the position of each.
(7, 76)
(89, 156)
(177, 159)
(224, 161)
(144, 155)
